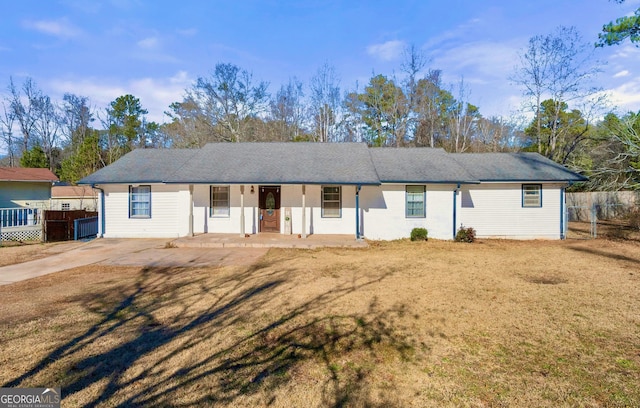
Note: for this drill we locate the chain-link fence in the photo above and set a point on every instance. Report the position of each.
(609, 214)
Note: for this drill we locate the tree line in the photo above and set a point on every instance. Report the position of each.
(415, 108)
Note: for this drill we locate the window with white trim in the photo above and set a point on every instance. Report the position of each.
(331, 201)
(139, 201)
(532, 195)
(415, 202)
(220, 201)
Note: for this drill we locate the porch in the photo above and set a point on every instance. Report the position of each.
(269, 240)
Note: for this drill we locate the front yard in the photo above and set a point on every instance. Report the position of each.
(495, 323)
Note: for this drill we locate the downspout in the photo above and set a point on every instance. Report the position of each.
(304, 212)
(563, 211)
(455, 209)
(358, 187)
(242, 210)
(190, 210)
(101, 213)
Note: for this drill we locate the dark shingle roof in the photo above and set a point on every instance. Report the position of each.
(279, 163)
(514, 167)
(418, 165)
(324, 163)
(142, 166)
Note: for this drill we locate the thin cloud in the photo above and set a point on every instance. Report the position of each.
(490, 60)
(621, 74)
(155, 94)
(61, 28)
(459, 32)
(187, 32)
(627, 95)
(149, 43)
(387, 51)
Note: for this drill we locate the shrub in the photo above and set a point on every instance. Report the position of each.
(634, 219)
(419, 234)
(465, 234)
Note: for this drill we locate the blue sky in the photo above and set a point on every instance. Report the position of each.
(154, 49)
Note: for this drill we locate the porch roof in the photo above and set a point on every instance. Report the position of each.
(279, 163)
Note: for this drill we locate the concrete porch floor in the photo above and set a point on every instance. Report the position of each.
(268, 240)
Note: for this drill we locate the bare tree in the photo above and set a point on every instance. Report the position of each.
(229, 99)
(325, 103)
(618, 167)
(432, 104)
(23, 107)
(557, 67)
(462, 121)
(7, 120)
(288, 110)
(76, 118)
(414, 61)
(47, 127)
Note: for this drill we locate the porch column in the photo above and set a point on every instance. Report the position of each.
(304, 212)
(358, 211)
(242, 210)
(190, 210)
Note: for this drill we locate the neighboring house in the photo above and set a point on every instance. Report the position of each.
(330, 188)
(25, 187)
(67, 198)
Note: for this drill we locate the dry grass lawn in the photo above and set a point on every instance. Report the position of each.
(495, 323)
(18, 252)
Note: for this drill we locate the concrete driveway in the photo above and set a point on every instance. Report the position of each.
(129, 252)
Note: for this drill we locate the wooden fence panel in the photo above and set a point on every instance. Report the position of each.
(59, 225)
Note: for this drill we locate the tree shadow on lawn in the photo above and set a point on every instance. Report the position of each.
(205, 356)
(598, 252)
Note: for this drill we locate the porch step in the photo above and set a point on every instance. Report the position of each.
(268, 241)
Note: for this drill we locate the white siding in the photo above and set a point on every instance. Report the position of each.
(384, 212)
(203, 222)
(167, 212)
(291, 196)
(495, 210)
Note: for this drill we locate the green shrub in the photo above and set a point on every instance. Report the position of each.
(465, 234)
(419, 234)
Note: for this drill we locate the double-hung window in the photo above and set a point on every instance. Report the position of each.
(331, 201)
(415, 202)
(220, 201)
(139, 201)
(532, 195)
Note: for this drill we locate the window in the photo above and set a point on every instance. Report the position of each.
(140, 202)
(532, 195)
(66, 206)
(415, 199)
(331, 201)
(220, 201)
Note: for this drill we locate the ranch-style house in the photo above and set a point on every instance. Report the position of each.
(330, 188)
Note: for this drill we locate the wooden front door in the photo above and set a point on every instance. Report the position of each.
(269, 208)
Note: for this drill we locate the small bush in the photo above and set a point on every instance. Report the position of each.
(465, 234)
(634, 219)
(419, 234)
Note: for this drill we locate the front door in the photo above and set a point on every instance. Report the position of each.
(269, 208)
